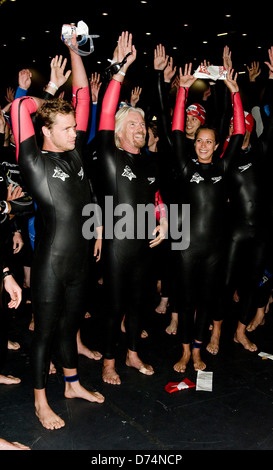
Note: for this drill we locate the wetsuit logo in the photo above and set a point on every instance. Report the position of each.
(151, 179)
(81, 173)
(128, 173)
(196, 178)
(58, 173)
(244, 167)
(216, 179)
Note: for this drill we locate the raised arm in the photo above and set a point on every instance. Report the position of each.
(186, 80)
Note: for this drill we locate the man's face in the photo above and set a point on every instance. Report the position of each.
(62, 135)
(133, 133)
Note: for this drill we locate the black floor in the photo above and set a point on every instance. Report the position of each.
(139, 415)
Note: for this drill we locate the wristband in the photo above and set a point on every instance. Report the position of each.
(53, 85)
(6, 273)
(121, 73)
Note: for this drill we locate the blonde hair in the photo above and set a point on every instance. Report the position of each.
(121, 114)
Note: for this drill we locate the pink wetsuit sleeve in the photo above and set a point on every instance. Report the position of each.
(178, 123)
(109, 106)
(81, 103)
(22, 125)
(160, 210)
(238, 114)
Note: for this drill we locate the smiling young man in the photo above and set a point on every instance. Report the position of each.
(55, 177)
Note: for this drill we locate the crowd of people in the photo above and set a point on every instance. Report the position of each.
(200, 166)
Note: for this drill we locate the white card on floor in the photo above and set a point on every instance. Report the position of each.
(204, 381)
(266, 355)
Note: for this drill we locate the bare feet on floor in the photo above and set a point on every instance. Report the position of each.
(133, 360)
(76, 390)
(163, 305)
(9, 380)
(5, 445)
(198, 363)
(181, 365)
(47, 417)
(109, 373)
(13, 345)
(213, 345)
(172, 327)
(240, 337)
(258, 320)
(85, 351)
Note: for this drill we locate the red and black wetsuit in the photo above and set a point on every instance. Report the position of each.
(129, 180)
(203, 186)
(60, 189)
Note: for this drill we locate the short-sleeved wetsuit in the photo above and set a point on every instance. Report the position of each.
(60, 189)
(203, 186)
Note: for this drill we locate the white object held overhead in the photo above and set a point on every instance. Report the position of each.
(82, 31)
(212, 72)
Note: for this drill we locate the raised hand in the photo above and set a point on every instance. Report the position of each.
(231, 82)
(58, 74)
(95, 85)
(186, 80)
(160, 58)
(124, 47)
(270, 63)
(227, 62)
(253, 71)
(24, 79)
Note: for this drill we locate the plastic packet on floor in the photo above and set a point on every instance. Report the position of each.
(177, 386)
(204, 381)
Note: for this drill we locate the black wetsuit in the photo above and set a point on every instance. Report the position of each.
(129, 180)
(203, 186)
(248, 232)
(60, 188)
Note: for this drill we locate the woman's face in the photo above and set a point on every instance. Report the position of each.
(205, 145)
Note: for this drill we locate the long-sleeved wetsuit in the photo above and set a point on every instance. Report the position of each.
(60, 188)
(130, 180)
(203, 186)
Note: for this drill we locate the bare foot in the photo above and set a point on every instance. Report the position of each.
(84, 351)
(9, 380)
(122, 326)
(132, 360)
(5, 445)
(213, 345)
(172, 327)
(270, 300)
(144, 333)
(181, 365)
(236, 297)
(245, 342)
(198, 363)
(109, 373)
(52, 368)
(48, 418)
(13, 345)
(258, 320)
(76, 390)
(163, 305)
(31, 324)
